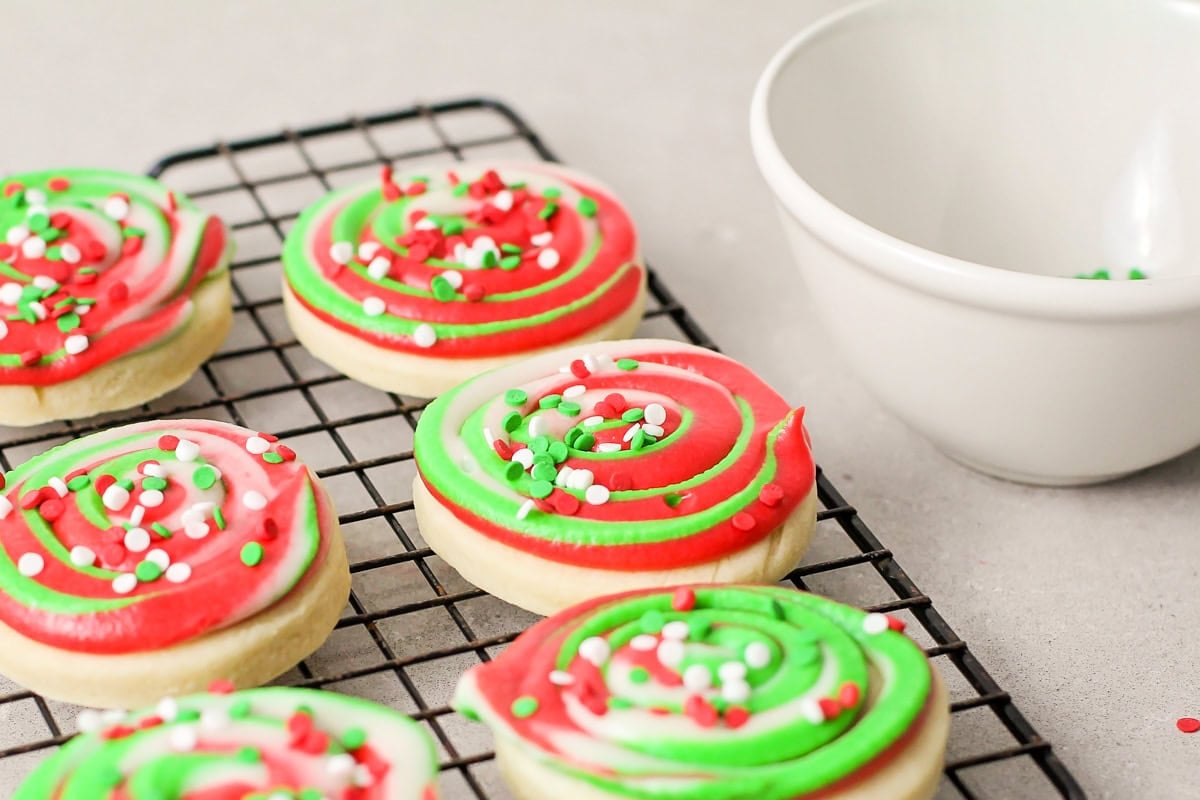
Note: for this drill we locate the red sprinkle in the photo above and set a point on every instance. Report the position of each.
(416, 216)
(701, 711)
(418, 252)
(849, 694)
(605, 410)
(1188, 724)
(119, 291)
(31, 499)
(60, 219)
(168, 442)
(896, 624)
(474, 292)
(299, 725)
(502, 449)
(172, 202)
(12, 188)
(286, 453)
(85, 278)
(3, 480)
(770, 494)
(684, 599)
(415, 189)
(58, 184)
(30, 357)
(315, 743)
(132, 246)
(221, 686)
(270, 437)
(579, 369)
(51, 509)
(114, 554)
(543, 505)
(118, 732)
(141, 467)
(7, 251)
(94, 250)
(103, 482)
(565, 503)
(453, 178)
(391, 192)
(743, 521)
(152, 721)
(617, 401)
(829, 707)
(736, 717)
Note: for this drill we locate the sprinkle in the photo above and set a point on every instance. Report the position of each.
(6, 507)
(10, 294)
(595, 650)
(849, 694)
(548, 258)
(151, 498)
(379, 267)
(587, 206)
(644, 642)
(1188, 724)
(569, 408)
(810, 709)
(454, 278)
(574, 391)
(82, 556)
(743, 521)
(593, 421)
(515, 397)
(341, 766)
(125, 583)
(581, 480)
(219, 518)
(701, 711)
(757, 655)
(187, 450)
(677, 630)
(579, 369)
(736, 716)
(541, 489)
(183, 739)
(684, 599)
(697, 678)
(70, 253)
(33, 247)
(608, 447)
(178, 572)
(525, 508)
(566, 504)
(254, 500)
(525, 706)
(89, 721)
(195, 530)
(735, 691)
(511, 421)
(560, 678)
(524, 457)
(373, 306)
(136, 540)
(874, 623)
(256, 445)
(670, 652)
(632, 431)
(116, 207)
(539, 426)
(16, 234)
(541, 239)
(148, 572)
(564, 477)
(425, 335)
(770, 495)
(252, 554)
(367, 251)
(655, 414)
(30, 565)
(115, 498)
(341, 252)
(626, 364)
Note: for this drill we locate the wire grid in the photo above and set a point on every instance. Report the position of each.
(413, 625)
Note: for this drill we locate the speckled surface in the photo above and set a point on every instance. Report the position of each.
(1079, 601)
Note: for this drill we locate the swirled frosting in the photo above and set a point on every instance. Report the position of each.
(261, 743)
(95, 265)
(706, 693)
(638, 455)
(469, 262)
(142, 536)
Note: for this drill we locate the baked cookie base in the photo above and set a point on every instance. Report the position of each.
(545, 587)
(420, 375)
(910, 773)
(136, 378)
(249, 653)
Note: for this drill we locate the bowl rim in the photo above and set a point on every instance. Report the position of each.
(927, 270)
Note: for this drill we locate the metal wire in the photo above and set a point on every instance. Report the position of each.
(223, 174)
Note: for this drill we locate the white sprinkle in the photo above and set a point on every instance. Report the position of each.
(653, 430)
(138, 514)
(697, 678)
(154, 471)
(115, 497)
(187, 450)
(82, 556)
(113, 716)
(560, 678)
(16, 234)
(592, 422)
(45, 282)
(373, 306)
(36, 197)
(38, 309)
(168, 709)
(151, 498)
(525, 508)
(644, 642)
(608, 447)
(367, 251)
(70, 253)
(595, 650)
(362, 776)
(670, 653)
(3, 329)
(33, 247)
(484, 243)
(581, 479)
(214, 718)
(83, 311)
(656, 414)
(594, 363)
(597, 495)
(632, 431)
(124, 584)
(425, 224)
(31, 565)
(117, 208)
(461, 252)
(341, 766)
(195, 530)
(159, 558)
(538, 425)
(563, 478)
(179, 573)
(257, 445)
(184, 739)
(10, 294)
(89, 721)
(524, 457)
(473, 259)
(136, 540)
(341, 252)
(677, 630)
(548, 258)
(732, 671)
(254, 500)
(541, 239)
(735, 691)
(6, 507)
(572, 392)
(454, 278)
(58, 485)
(503, 200)
(379, 267)
(874, 624)
(757, 655)
(810, 709)
(425, 335)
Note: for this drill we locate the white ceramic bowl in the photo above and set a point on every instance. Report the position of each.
(945, 167)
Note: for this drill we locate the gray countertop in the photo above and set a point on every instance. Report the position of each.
(1077, 600)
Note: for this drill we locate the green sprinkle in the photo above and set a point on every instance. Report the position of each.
(509, 247)
(512, 421)
(252, 554)
(559, 451)
(652, 622)
(239, 709)
(633, 414)
(31, 292)
(126, 484)
(548, 211)
(452, 227)
(517, 185)
(673, 500)
(638, 441)
(39, 221)
(569, 408)
(248, 755)
(79, 483)
(639, 675)
(219, 518)
(469, 713)
(204, 477)
(311, 794)
(626, 363)
(524, 707)
(516, 397)
(587, 206)
(572, 436)
(698, 629)
(66, 301)
(187, 715)
(544, 472)
(550, 401)
(161, 530)
(551, 193)
(443, 291)
(543, 458)
(585, 442)
(541, 489)
(154, 483)
(131, 232)
(85, 301)
(148, 571)
(539, 444)
(510, 262)
(489, 258)
(619, 703)
(460, 189)
(54, 253)
(69, 322)
(354, 738)
(51, 234)
(1136, 274)
(272, 458)
(514, 471)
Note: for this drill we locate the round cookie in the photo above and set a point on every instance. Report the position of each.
(151, 559)
(261, 743)
(713, 693)
(614, 466)
(419, 281)
(113, 291)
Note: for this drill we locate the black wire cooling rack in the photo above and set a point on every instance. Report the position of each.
(413, 625)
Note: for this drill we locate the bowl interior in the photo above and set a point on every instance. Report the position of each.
(1055, 137)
